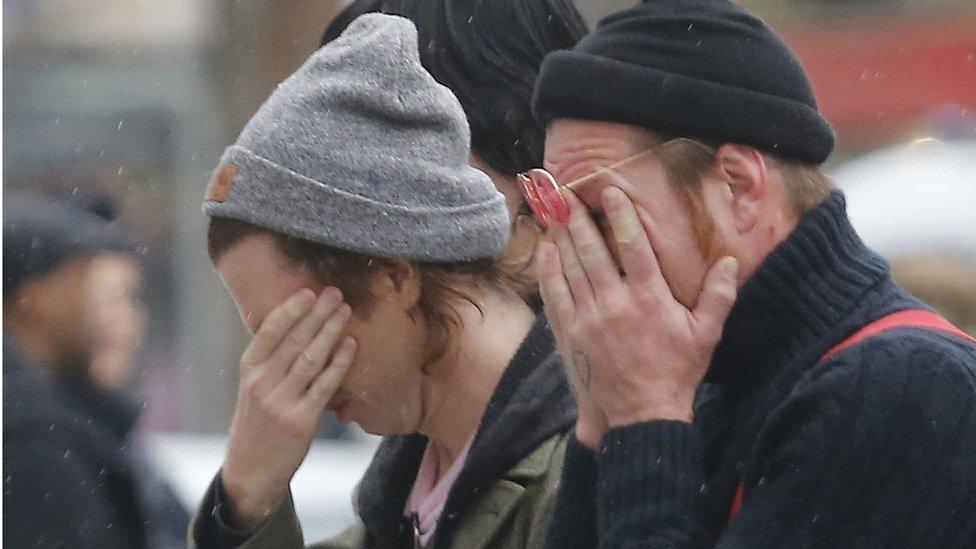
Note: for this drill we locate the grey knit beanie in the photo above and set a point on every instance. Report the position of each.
(362, 150)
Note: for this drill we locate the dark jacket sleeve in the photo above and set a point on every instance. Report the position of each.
(875, 448)
(574, 518)
(210, 527)
(58, 493)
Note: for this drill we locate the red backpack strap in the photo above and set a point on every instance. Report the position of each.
(903, 319)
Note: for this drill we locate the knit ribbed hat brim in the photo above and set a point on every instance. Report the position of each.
(705, 69)
(311, 210)
(682, 105)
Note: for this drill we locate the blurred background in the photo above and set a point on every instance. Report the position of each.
(139, 98)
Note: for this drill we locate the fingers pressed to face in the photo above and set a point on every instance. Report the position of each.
(633, 244)
(289, 351)
(572, 268)
(312, 359)
(327, 382)
(594, 255)
(553, 288)
(275, 326)
(717, 297)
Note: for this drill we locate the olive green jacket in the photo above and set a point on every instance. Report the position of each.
(502, 498)
(509, 513)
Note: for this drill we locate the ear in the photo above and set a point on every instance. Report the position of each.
(400, 282)
(744, 171)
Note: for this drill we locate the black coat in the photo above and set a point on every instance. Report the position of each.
(874, 447)
(67, 482)
(116, 415)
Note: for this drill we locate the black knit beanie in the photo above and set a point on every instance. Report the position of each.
(694, 68)
(41, 234)
(488, 53)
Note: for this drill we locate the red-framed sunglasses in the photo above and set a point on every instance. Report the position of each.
(542, 192)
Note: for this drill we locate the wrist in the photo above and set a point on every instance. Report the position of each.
(248, 504)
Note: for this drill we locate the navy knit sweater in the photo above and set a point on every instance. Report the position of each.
(875, 447)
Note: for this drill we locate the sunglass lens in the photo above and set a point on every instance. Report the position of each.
(528, 184)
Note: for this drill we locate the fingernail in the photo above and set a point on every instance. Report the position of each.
(305, 299)
(331, 295)
(612, 197)
(731, 267)
(555, 203)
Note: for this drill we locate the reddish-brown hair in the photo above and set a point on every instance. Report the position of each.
(686, 162)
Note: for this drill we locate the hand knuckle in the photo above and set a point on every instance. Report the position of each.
(294, 422)
(265, 334)
(576, 332)
(593, 324)
(711, 337)
(254, 387)
(296, 338)
(726, 296)
(646, 299)
(270, 406)
(616, 306)
(320, 391)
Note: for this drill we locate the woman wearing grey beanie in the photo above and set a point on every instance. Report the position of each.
(360, 248)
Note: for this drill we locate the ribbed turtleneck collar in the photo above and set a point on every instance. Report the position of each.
(798, 297)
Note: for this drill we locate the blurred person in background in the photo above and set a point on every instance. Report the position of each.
(69, 481)
(355, 175)
(90, 341)
(104, 388)
(115, 289)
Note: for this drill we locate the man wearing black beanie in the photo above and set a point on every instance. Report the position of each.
(747, 372)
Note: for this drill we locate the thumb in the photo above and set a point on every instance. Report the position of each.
(717, 297)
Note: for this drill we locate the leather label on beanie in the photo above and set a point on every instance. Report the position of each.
(220, 184)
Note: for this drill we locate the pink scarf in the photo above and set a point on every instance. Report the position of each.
(429, 492)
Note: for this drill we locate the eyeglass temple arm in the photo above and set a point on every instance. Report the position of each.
(631, 158)
(605, 169)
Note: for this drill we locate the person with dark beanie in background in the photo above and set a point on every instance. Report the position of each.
(488, 52)
(69, 480)
(100, 385)
(747, 372)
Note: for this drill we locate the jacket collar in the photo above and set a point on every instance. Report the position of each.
(531, 403)
(798, 300)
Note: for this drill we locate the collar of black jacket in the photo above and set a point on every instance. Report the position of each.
(531, 403)
(798, 299)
